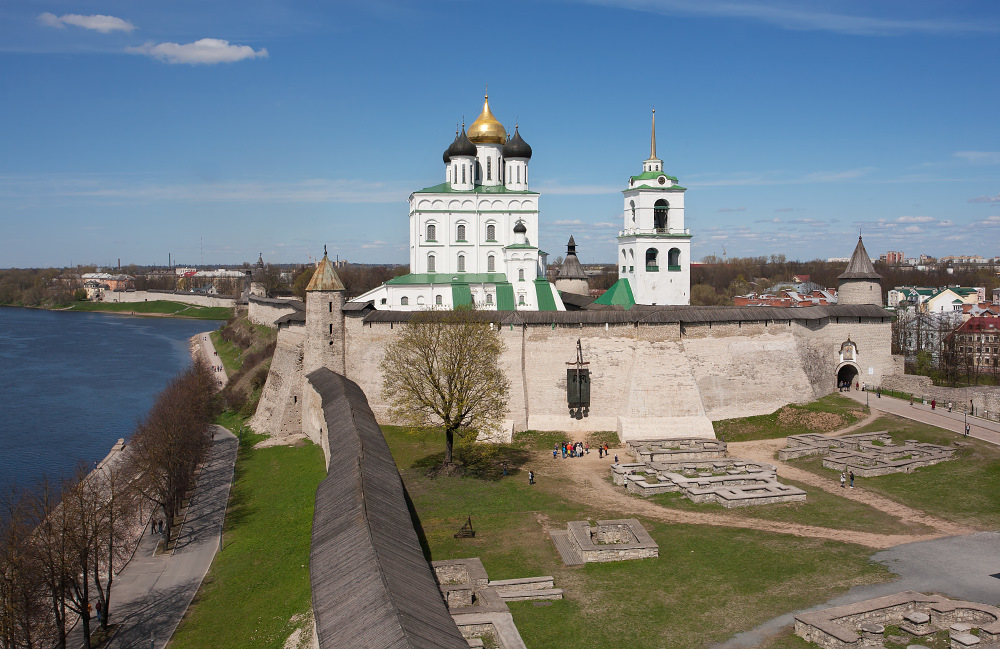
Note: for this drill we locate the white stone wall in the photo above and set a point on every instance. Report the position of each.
(186, 298)
(279, 412)
(267, 312)
(647, 381)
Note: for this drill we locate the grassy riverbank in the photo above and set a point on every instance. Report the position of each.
(257, 592)
(155, 308)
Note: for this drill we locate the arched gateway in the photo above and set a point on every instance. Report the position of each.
(847, 373)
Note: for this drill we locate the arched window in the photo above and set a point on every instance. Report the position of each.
(437, 300)
(674, 259)
(431, 232)
(420, 300)
(651, 264)
(660, 209)
(489, 298)
(430, 264)
(404, 301)
(623, 254)
(491, 264)
(519, 173)
(461, 263)
(489, 168)
(491, 233)
(461, 233)
(454, 173)
(520, 299)
(463, 174)
(520, 274)
(632, 205)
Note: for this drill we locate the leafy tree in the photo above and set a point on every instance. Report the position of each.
(444, 368)
(80, 295)
(301, 281)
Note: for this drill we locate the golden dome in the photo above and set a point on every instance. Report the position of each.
(486, 128)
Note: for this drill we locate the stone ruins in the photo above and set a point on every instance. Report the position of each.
(616, 540)
(700, 470)
(866, 454)
(863, 624)
(479, 605)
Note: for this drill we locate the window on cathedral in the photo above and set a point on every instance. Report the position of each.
(491, 233)
(632, 204)
(432, 233)
(463, 174)
(519, 174)
(651, 263)
(489, 298)
(489, 168)
(520, 300)
(491, 264)
(660, 209)
(461, 233)
(674, 259)
(438, 300)
(404, 300)
(520, 274)
(461, 263)
(430, 264)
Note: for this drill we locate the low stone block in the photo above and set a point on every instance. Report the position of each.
(963, 640)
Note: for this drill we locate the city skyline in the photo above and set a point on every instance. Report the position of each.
(133, 132)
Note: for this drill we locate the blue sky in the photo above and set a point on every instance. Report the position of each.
(217, 130)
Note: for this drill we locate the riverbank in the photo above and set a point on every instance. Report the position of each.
(154, 309)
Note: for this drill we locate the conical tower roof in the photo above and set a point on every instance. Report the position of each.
(571, 268)
(860, 266)
(325, 278)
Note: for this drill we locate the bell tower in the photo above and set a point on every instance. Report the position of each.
(654, 247)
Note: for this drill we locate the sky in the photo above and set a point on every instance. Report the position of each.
(217, 131)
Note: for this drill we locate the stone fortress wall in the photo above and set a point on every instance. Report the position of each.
(170, 296)
(647, 380)
(267, 311)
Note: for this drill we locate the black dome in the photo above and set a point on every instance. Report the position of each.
(516, 147)
(447, 158)
(461, 146)
(520, 228)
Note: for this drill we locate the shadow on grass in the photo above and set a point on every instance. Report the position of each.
(417, 527)
(480, 461)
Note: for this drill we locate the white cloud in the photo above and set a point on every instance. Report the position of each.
(774, 220)
(803, 16)
(979, 157)
(568, 222)
(373, 244)
(913, 229)
(97, 22)
(915, 219)
(985, 199)
(204, 51)
(745, 179)
(605, 224)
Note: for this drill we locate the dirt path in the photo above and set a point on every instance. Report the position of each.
(589, 479)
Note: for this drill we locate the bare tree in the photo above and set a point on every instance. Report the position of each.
(444, 368)
(23, 623)
(49, 549)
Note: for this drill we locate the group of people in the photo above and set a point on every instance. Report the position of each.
(158, 526)
(844, 477)
(571, 449)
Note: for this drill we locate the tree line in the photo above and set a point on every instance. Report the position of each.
(62, 541)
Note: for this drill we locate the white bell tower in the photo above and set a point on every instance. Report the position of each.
(654, 247)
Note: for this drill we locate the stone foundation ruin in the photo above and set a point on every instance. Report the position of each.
(614, 540)
(700, 470)
(866, 454)
(478, 606)
(967, 624)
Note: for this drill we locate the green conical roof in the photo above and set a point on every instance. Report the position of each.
(325, 278)
(620, 294)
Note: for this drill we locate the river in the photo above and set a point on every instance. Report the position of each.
(71, 384)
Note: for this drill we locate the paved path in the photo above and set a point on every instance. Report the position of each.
(213, 360)
(984, 429)
(151, 594)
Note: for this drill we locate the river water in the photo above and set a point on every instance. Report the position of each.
(71, 384)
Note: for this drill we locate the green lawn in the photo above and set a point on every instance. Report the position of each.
(831, 412)
(157, 307)
(965, 489)
(708, 583)
(230, 354)
(821, 508)
(260, 579)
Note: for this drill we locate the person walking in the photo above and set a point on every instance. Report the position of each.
(564, 450)
(843, 480)
(531, 477)
(555, 452)
(852, 479)
(616, 458)
(911, 400)
(587, 447)
(933, 403)
(967, 430)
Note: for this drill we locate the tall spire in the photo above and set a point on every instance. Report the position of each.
(652, 139)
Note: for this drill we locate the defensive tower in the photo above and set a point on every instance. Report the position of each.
(860, 284)
(324, 345)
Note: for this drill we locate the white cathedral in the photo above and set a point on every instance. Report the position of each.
(473, 238)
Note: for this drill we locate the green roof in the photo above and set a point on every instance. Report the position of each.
(619, 294)
(652, 175)
(544, 291)
(461, 295)
(519, 245)
(445, 188)
(505, 297)
(448, 278)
